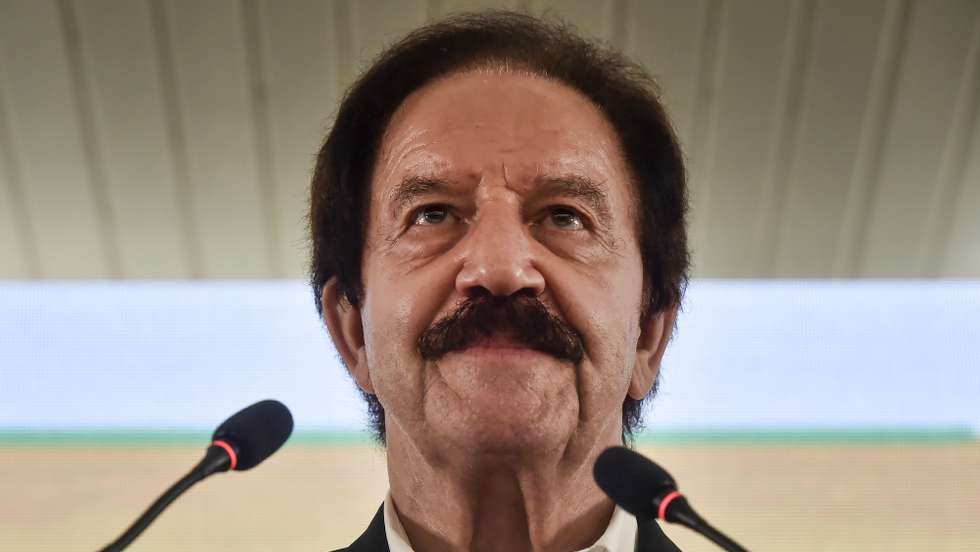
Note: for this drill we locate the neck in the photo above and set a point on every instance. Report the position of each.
(470, 500)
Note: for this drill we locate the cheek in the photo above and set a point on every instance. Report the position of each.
(399, 305)
(627, 294)
(388, 323)
(421, 245)
(606, 309)
(609, 295)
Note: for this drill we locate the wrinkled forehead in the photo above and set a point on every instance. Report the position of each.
(468, 123)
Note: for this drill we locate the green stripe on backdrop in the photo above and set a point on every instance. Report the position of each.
(187, 437)
(156, 437)
(815, 436)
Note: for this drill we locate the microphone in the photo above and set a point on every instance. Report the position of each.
(241, 442)
(647, 491)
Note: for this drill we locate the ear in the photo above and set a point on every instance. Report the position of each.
(654, 336)
(347, 332)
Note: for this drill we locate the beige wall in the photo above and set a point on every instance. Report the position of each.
(174, 139)
(830, 498)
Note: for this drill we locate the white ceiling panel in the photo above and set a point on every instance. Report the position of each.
(123, 77)
(301, 89)
(599, 20)
(875, 125)
(665, 37)
(933, 65)
(214, 93)
(66, 210)
(961, 246)
(833, 97)
(176, 138)
(680, 44)
(958, 181)
(443, 7)
(704, 115)
(729, 189)
(14, 241)
(378, 23)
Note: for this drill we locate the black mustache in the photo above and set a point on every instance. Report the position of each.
(523, 317)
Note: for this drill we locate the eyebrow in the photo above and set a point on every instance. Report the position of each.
(413, 187)
(572, 186)
(580, 188)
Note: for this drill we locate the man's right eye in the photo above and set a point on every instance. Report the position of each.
(430, 214)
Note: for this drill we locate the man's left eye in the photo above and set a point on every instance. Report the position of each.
(430, 215)
(566, 218)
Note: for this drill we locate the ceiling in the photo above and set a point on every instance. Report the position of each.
(152, 139)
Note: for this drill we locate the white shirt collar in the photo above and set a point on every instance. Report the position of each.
(394, 532)
(620, 534)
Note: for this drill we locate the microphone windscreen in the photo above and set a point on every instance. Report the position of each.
(632, 481)
(256, 431)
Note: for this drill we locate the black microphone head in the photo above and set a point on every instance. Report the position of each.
(633, 481)
(256, 432)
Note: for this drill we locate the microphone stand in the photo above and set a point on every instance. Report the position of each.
(214, 461)
(680, 511)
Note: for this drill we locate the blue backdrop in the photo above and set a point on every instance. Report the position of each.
(747, 354)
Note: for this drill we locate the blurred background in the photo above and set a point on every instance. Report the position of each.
(822, 391)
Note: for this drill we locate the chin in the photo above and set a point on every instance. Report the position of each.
(506, 408)
(503, 428)
(509, 443)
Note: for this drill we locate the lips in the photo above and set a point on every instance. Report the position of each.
(498, 341)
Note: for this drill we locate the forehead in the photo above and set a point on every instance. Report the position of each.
(524, 125)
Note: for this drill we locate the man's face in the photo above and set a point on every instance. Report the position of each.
(501, 268)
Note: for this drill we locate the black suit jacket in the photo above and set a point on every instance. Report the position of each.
(649, 537)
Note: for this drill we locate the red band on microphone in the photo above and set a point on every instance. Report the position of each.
(230, 450)
(662, 511)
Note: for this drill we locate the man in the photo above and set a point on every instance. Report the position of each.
(499, 253)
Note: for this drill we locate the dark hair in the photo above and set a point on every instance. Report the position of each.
(621, 89)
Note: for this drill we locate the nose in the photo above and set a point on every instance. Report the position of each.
(498, 259)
